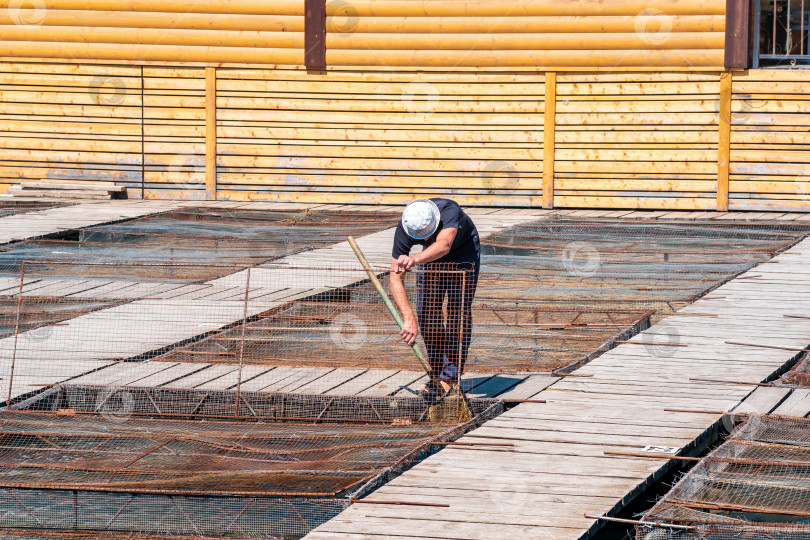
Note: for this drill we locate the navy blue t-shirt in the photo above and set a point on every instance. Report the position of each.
(466, 246)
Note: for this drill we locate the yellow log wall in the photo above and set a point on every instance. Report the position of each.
(380, 137)
(511, 34)
(138, 31)
(526, 34)
(620, 140)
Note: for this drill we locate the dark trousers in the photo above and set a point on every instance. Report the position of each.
(447, 333)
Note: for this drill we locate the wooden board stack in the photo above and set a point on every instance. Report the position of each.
(68, 190)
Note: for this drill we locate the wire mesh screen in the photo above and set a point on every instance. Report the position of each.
(239, 406)
(10, 208)
(641, 265)
(159, 401)
(273, 470)
(275, 327)
(755, 485)
(198, 236)
(798, 376)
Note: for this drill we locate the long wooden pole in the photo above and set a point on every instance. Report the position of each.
(16, 337)
(206, 21)
(538, 59)
(242, 344)
(387, 299)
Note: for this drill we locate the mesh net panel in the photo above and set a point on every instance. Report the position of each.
(10, 208)
(200, 236)
(798, 376)
(238, 406)
(755, 485)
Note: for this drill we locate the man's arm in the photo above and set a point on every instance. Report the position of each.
(437, 250)
(410, 329)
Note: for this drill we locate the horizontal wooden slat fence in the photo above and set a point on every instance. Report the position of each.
(174, 133)
(770, 141)
(71, 122)
(656, 140)
(385, 137)
(637, 140)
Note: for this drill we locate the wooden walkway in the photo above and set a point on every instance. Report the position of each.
(85, 214)
(639, 397)
(776, 400)
(555, 472)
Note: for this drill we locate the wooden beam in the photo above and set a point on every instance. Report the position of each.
(724, 142)
(548, 138)
(737, 29)
(315, 34)
(211, 133)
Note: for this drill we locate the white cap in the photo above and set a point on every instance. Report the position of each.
(420, 219)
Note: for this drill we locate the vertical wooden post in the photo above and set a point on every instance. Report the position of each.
(315, 34)
(738, 14)
(549, 127)
(724, 142)
(210, 133)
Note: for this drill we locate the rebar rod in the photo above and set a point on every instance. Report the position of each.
(796, 349)
(645, 523)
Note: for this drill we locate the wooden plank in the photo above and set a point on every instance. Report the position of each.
(763, 400)
(367, 380)
(337, 377)
(172, 373)
(230, 380)
(411, 389)
(357, 523)
(797, 404)
(268, 381)
(202, 376)
(394, 384)
(301, 378)
(531, 386)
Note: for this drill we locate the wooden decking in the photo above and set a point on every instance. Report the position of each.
(637, 396)
(54, 220)
(555, 472)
